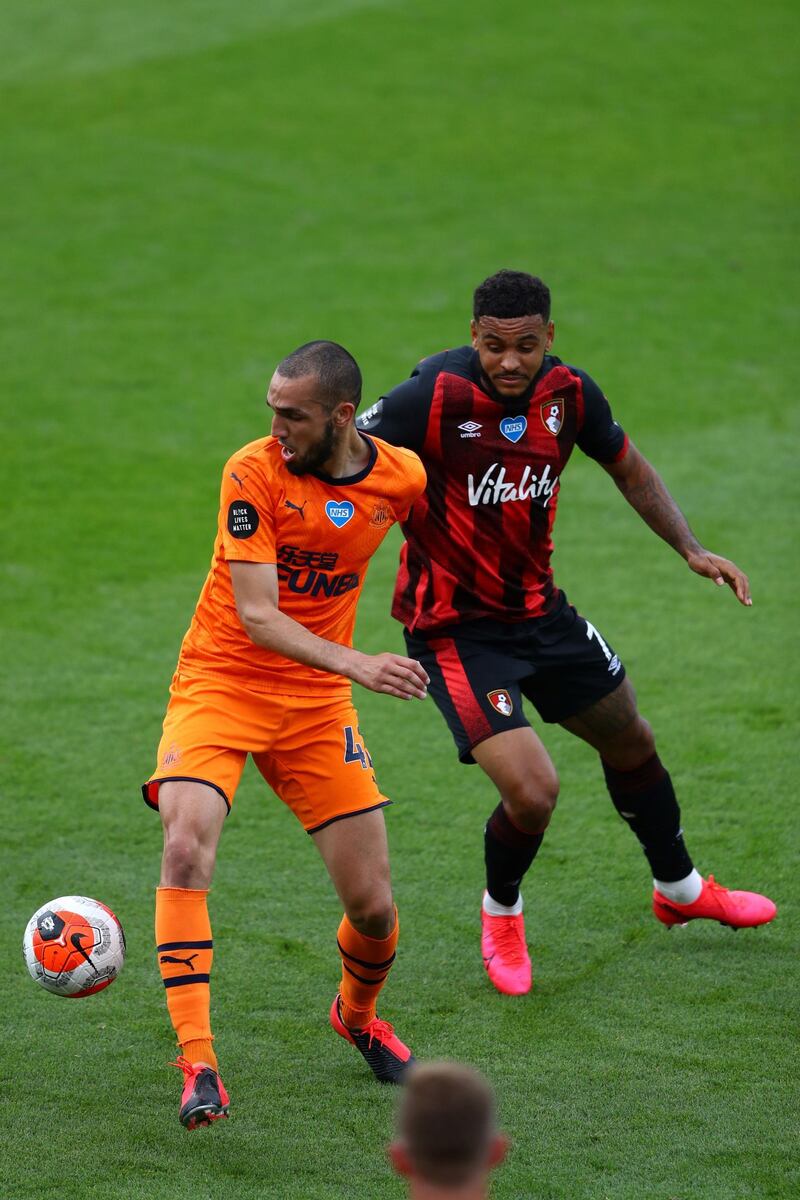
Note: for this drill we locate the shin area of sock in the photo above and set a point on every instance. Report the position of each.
(366, 962)
(185, 952)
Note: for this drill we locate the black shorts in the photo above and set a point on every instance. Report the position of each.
(480, 670)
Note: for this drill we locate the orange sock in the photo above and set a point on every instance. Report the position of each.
(366, 962)
(185, 951)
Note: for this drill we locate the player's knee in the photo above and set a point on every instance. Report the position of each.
(633, 747)
(531, 800)
(645, 739)
(188, 861)
(372, 912)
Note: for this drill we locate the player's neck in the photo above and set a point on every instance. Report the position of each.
(420, 1190)
(349, 457)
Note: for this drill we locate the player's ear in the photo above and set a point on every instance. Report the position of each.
(473, 329)
(498, 1149)
(343, 414)
(399, 1158)
(551, 333)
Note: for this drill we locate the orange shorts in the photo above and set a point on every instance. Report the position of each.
(309, 750)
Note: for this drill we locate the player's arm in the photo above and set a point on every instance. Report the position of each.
(255, 588)
(645, 490)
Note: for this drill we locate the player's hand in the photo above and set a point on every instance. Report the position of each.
(722, 571)
(391, 674)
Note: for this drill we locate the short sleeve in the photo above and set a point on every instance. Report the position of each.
(600, 436)
(417, 481)
(246, 517)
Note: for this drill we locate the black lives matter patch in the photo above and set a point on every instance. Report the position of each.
(242, 519)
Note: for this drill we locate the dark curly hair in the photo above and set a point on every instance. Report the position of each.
(335, 368)
(511, 294)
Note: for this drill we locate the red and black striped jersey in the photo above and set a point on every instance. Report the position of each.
(478, 541)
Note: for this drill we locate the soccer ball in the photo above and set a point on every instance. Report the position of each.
(74, 946)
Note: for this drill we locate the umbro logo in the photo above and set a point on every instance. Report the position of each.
(470, 429)
(297, 507)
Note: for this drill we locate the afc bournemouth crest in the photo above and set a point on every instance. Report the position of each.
(553, 415)
(501, 702)
(381, 514)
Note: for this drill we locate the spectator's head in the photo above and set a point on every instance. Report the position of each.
(447, 1139)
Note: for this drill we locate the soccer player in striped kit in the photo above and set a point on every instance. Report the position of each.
(495, 423)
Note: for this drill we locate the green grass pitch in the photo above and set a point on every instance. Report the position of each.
(189, 191)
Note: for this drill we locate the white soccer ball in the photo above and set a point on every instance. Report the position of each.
(74, 946)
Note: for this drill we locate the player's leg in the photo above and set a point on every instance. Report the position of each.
(356, 854)
(526, 780)
(321, 769)
(639, 785)
(519, 766)
(523, 773)
(581, 684)
(642, 792)
(199, 765)
(474, 681)
(192, 815)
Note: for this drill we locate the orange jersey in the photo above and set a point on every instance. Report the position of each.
(321, 534)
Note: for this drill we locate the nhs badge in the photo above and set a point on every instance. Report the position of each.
(339, 511)
(513, 427)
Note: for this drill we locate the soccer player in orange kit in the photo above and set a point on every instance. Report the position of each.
(265, 669)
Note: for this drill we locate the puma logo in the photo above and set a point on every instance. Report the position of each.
(239, 482)
(187, 962)
(297, 507)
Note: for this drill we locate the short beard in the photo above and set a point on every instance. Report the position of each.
(316, 457)
(520, 397)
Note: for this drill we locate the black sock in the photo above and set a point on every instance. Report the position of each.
(646, 800)
(509, 852)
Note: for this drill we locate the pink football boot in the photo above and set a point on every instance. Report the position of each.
(505, 953)
(739, 910)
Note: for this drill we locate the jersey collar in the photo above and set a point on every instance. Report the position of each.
(346, 480)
